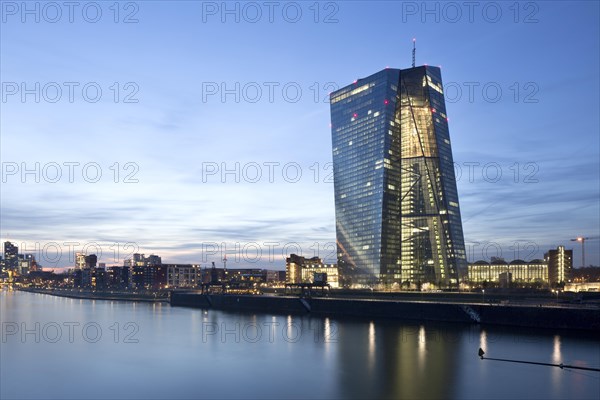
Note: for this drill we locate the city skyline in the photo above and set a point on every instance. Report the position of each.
(374, 199)
(526, 159)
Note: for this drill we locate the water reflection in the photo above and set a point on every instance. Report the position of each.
(483, 340)
(214, 354)
(327, 336)
(399, 361)
(371, 347)
(422, 343)
(556, 356)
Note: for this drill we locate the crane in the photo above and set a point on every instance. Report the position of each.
(582, 240)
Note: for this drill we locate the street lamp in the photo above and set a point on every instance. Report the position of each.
(483, 295)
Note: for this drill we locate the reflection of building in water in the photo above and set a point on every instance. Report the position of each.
(397, 361)
(483, 340)
(556, 355)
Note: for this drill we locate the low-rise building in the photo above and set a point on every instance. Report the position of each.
(507, 273)
(583, 287)
(253, 275)
(302, 270)
(554, 269)
(182, 275)
(275, 277)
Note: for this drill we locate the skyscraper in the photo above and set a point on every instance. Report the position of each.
(11, 255)
(79, 260)
(397, 213)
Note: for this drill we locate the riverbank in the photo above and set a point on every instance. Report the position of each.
(96, 295)
(452, 309)
(531, 316)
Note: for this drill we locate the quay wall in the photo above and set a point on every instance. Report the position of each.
(534, 316)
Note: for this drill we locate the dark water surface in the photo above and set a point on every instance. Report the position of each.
(60, 348)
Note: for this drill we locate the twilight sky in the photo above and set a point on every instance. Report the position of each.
(196, 129)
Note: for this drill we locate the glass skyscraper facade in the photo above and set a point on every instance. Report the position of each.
(397, 213)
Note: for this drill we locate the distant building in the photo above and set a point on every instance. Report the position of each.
(86, 278)
(302, 270)
(281, 276)
(136, 277)
(153, 260)
(91, 278)
(26, 263)
(247, 275)
(583, 287)
(11, 256)
(585, 274)
(183, 275)
(505, 273)
(212, 275)
(145, 272)
(79, 261)
(91, 261)
(293, 268)
(560, 265)
(21, 264)
(140, 260)
(155, 277)
(554, 269)
(328, 271)
(505, 279)
(99, 278)
(117, 277)
(274, 276)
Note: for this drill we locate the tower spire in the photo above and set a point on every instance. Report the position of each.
(414, 52)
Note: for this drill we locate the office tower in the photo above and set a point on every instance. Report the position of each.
(397, 213)
(79, 260)
(11, 255)
(153, 260)
(91, 261)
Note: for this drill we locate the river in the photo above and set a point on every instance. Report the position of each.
(55, 347)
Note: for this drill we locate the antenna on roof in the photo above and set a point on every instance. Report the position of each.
(414, 51)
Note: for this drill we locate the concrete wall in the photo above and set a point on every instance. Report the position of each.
(497, 314)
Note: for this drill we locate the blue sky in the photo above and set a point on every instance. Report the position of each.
(190, 91)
